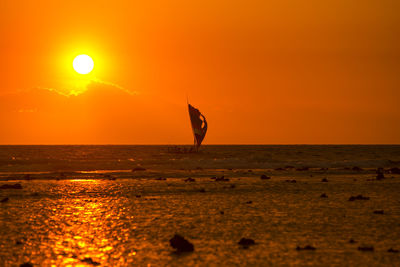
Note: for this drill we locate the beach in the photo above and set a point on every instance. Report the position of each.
(120, 205)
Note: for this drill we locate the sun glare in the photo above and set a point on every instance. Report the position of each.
(83, 64)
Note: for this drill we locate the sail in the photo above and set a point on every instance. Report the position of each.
(199, 125)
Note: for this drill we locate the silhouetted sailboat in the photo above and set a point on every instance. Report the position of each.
(199, 125)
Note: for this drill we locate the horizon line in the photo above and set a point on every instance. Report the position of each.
(227, 144)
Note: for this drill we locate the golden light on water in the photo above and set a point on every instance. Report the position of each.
(81, 227)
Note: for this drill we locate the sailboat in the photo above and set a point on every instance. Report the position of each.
(199, 126)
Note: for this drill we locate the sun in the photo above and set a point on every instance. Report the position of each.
(83, 64)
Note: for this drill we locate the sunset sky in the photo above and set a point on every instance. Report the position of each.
(262, 72)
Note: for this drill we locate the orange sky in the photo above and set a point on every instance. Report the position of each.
(262, 72)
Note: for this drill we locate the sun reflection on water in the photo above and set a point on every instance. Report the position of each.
(83, 228)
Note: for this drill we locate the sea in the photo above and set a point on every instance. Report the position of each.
(109, 205)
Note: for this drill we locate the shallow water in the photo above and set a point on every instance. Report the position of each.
(62, 222)
(156, 158)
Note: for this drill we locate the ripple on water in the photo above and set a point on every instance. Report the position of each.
(101, 221)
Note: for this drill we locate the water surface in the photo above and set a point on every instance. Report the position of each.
(73, 207)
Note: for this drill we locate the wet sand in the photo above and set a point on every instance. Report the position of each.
(129, 221)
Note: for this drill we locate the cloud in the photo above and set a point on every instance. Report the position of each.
(81, 87)
(104, 113)
(53, 90)
(31, 110)
(95, 82)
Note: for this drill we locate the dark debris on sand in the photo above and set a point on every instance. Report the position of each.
(190, 179)
(358, 197)
(221, 179)
(379, 174)
(4, 200)
(324, 180)
(379, 212)
(181, 244)
(366, 248)
(308, 247)
(323, 195)
(246, 242)
(26, 264)
(290, 181)
(264, 177)
(352, 241)
(90, 261)
(11, 186)
(394, 170)
(392, 250)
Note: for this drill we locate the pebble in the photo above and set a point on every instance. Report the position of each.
(308, 247)
(378, 212)
(264, 177)
(11, 186)
(358, 197)
(246, 242)
(90, 261)
(367, 248)
(181, 244)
